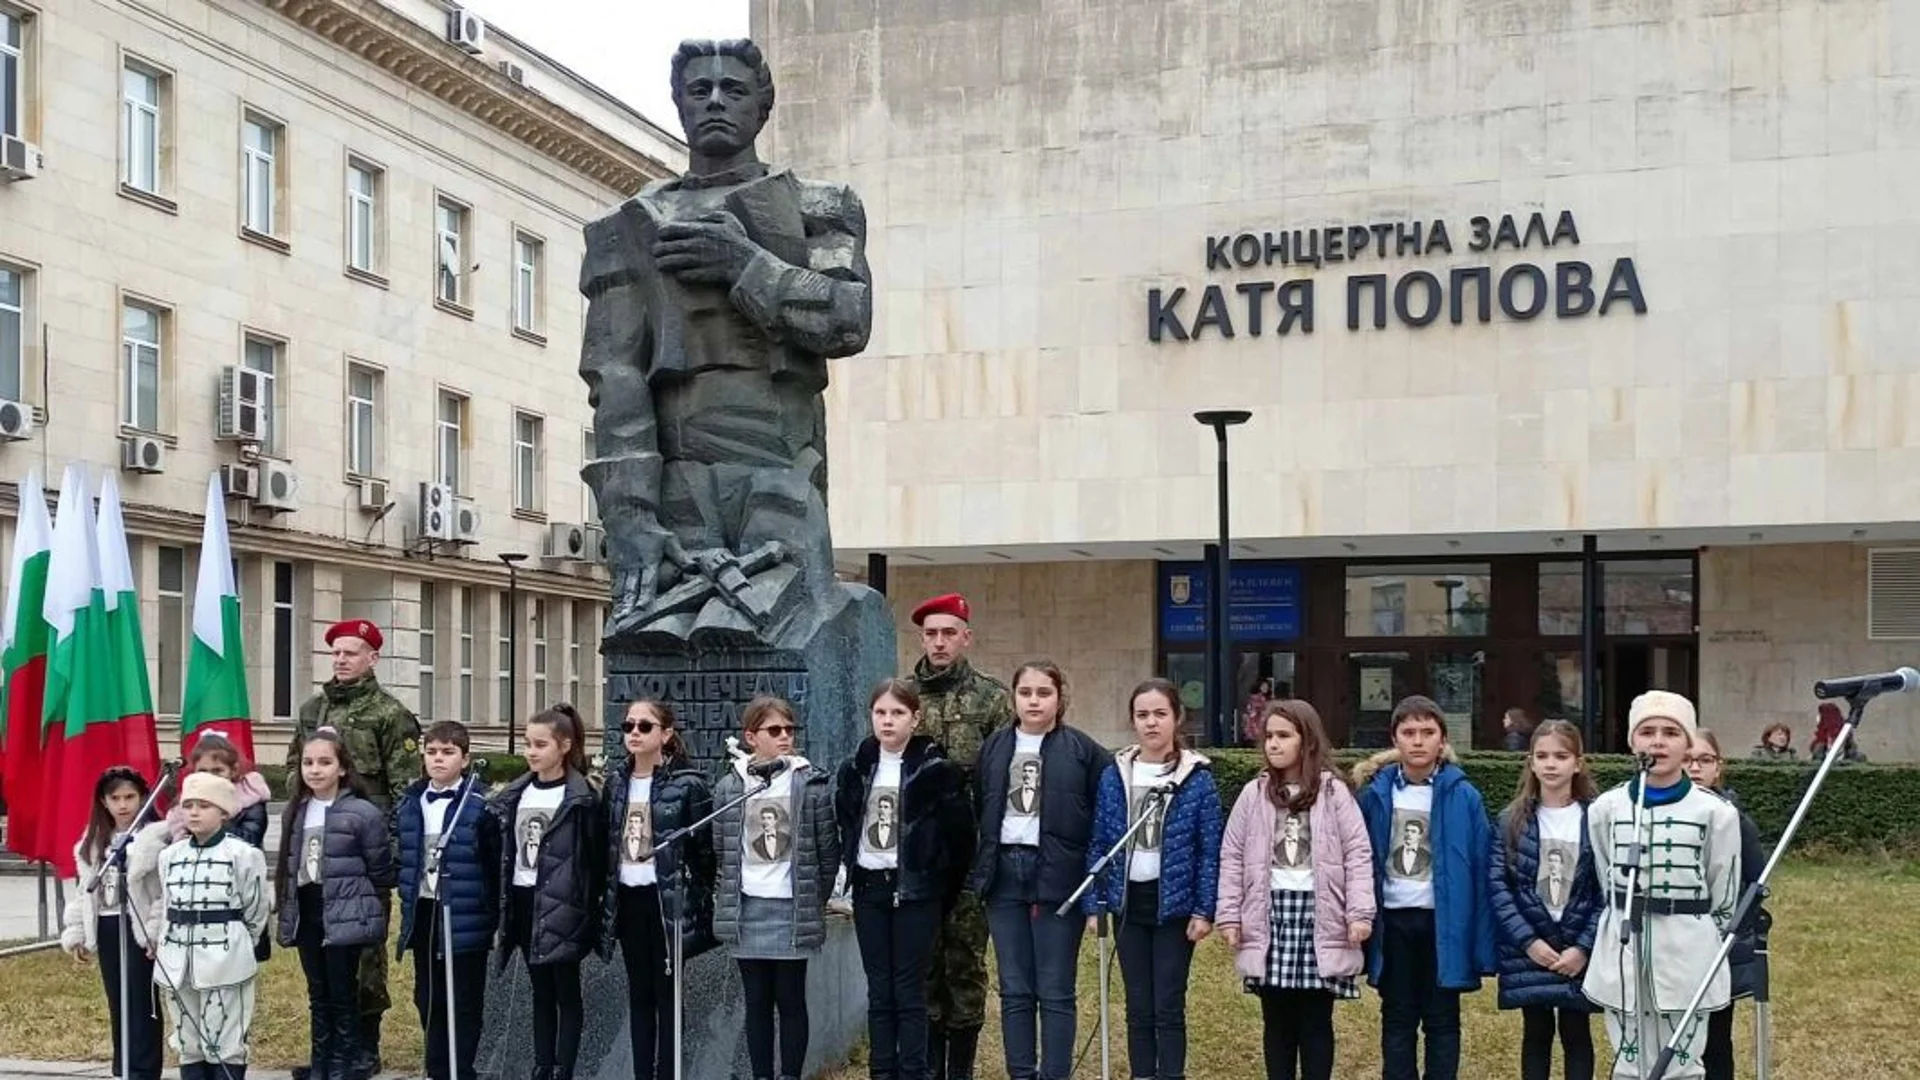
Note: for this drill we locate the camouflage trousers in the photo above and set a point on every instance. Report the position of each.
(374, 999)
(957, 982)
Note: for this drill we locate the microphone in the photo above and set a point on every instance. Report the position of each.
(1646, 761)
(767, 770)
(477, 765)
(1902, 681)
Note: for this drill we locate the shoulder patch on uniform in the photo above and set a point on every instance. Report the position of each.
(412, 744)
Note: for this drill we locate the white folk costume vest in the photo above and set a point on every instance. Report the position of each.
(216, 907)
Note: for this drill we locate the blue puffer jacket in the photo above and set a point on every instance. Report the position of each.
(469, 872)
(1520, 916)
(1463, 920)
(1189, 844)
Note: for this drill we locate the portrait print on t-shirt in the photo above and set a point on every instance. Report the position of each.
(1023, 789)
(1554, 882)
(636, 834)
(312, 847)
(1410, 857)
(769, 832)
(1149, 835)
(533, 833)
(883, 820)
(1292, 842)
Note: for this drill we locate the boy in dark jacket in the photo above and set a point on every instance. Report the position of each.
(449, 867)
(1430, 839)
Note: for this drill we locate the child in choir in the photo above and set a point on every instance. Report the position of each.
(906, 834)
(449, 869)
(335, 857)
(1038, 782)
(1430, 836)
(1705, 767)
(779, 855)
(212, 753)
(1296, 892)
(213, 905)
(1688, 885)
(552, 870)
(1546, 902)
(1164, 888)
(98, 915)
(655, 791)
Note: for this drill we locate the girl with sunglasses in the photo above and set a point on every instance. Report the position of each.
(662, 792)
(779, 854)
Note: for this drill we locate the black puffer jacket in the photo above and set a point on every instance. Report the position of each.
(571, 877)
(1753, 858)
(1070, 767)
(680, 797)
(937, 837)
(357, 862)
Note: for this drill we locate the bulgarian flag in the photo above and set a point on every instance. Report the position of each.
(79, 708)
(25, 662)
(128, 690)
(216, 696)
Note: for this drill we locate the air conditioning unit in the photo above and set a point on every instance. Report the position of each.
(466, 521)
(373, 495)
(467, 30)
(596, 544)
(566, 541)
(19, 159)
(143, 454)
(279, 486)
(16, 421)
(240, 481)
(243, 408)
(436, 512)
(512, 71)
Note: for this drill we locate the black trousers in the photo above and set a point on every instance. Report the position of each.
(143, 1022)
(643, 945)
(776, 986)
(1412, 1003)
(465, 998)
(1576, 1038)
(896, 949)
(1296, 1033)
(557, 1015)
(1717, 1058)
(1154, 959)
(333, 993)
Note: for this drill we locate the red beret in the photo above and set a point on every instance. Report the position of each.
(359, 628)
(950, 604)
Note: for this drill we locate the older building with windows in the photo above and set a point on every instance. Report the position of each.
(328, 249)
(1532, 304)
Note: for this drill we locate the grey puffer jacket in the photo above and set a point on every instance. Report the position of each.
(816, 856)
(356, 864)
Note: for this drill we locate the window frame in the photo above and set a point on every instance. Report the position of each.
(275, 160)
(460, 426)
(465, 658)
(274, 444)
(172, 611)
(461, 302)
(375, 411)
(23, 55)
(285, 662)
(527, 314)
(163, 326)
(374, 203)
(429, 700)
(530, 457)
(160, 112)
(589, 450)
(23, 312)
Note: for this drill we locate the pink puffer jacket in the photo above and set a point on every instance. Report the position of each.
(1342, 877)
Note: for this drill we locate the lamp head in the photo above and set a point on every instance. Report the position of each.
(1222, 418)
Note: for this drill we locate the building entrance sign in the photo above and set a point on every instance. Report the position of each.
(1263, 602)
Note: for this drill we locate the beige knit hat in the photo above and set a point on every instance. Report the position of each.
(1663, 703)
(209, 788)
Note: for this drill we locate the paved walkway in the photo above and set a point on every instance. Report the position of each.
(20, 907)
(21, 1069)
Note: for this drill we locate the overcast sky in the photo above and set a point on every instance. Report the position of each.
(621, 45)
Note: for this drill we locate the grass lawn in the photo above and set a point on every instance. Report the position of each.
(1846, 959)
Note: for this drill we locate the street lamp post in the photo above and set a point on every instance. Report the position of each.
(513, 559)
(1220, 671)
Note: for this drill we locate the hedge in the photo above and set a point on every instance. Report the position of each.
(500, 769)
(1859, 808)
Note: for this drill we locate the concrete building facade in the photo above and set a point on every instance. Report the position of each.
(329, 247)
(1493, 279)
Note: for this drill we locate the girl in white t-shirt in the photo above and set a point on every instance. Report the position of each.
(1546, 902)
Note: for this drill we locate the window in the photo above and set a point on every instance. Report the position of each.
(364, 184)
(141, 96)
(528, 468)
(450, 236)
(283, 643)
(363, 420)
(261, 141)
(429, 640)
(1638, 597)
(265, 355)
(140, 364)
(449, 440)
(581, 627)
(529, 259)
(13, 333)
(171, 634)
(1437, 600)
(503, 671)
(540, 651)
(587, 454)
(13, 73)
(466, 655)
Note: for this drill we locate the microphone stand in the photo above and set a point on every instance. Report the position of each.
(1633, 934)
(676, 944)
(1755, 893)
(435, 860)
(1156, 807)
(117, 860)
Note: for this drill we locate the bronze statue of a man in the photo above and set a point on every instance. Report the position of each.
(713, 304)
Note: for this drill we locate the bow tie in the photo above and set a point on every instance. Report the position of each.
(433, 796)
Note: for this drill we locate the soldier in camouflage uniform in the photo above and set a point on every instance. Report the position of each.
(959, 708)
(383, 737)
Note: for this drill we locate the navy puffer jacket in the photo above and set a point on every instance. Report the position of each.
(679, 796)
(469, 873)
(1520, 916)
(1753, 858)
(357, 863)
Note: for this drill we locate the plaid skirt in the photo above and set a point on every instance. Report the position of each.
(1291, 964)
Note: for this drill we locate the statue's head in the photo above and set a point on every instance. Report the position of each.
(724, 91)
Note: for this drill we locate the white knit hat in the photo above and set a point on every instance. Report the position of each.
(1663, 703)
(209, 788)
